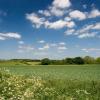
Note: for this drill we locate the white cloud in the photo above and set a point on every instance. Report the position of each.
(67, 18)
(45, 12)
(10, 35)
(59, 24)
(56, 11)
(69, 32)
(2, 38)
(58, 7)
(88, 28)
(76, 14)
(61, 3)
(96, 26)
(94, 13)
(62, 48)
(41, 41)
(56, 25)
(70, 24)
(87, 35)
(90, 49)
(62, 43)
(88, 31)
(45, 47)
(37, 21)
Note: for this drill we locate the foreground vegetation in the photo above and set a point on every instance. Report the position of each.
(13, 87)
(28, 80)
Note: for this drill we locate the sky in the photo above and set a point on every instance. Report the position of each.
(36, 29)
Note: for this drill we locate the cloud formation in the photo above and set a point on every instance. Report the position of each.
(9, 35)
(76, 14)
(59, 15)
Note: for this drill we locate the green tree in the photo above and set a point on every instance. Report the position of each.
(89, 60)
(45, 61)
(78, 60)
(98, 60)
(68, 61)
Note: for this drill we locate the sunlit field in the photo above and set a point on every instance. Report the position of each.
(80, 72)
(28, 81)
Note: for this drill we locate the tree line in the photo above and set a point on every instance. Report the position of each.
(68, 61)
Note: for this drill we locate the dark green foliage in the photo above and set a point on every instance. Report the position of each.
(78, 60)
(69, 61)
(45, 61)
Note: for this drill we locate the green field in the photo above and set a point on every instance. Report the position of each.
(27, 81)
(80, 72)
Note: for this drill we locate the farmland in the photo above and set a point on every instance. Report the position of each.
(80, 72)
(49, 82)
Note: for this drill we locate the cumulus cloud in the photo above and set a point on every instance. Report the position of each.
(57, 24)
(76, 14)
(10, 35)
(64, 18)
(96, 26)
(70, 32)
(94, 13)
(61, 3)
(45, 47)
(87, 31)
(56, 11)
(35, 19)
(41, 41)
(45, 12)
(44, 17)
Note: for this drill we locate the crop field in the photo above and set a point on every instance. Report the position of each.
(80, 72)
(49, 82)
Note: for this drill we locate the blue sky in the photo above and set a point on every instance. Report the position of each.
(49, 28)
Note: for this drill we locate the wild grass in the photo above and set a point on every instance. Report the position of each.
(13, 87)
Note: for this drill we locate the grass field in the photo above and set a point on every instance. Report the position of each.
(80, 72)
(52, 82)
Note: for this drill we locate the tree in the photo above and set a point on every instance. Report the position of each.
(45, 61)
(98, 60)
(78, 60)
(69, 61)
(89, 60)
